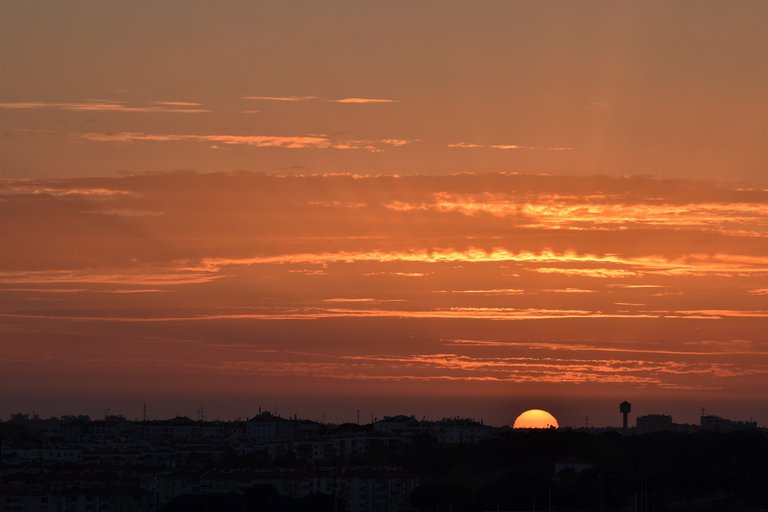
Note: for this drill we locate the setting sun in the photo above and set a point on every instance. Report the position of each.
(536, 418)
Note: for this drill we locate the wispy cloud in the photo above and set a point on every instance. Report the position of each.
(605, 273)
(717, 349)
(117, 291)
(598, 211)
(158, 277)
(517, 369)
(325, 313)
(372, 145)
(179, 103)
(364, 100)
(182, 107)
(351, 100)
(507, 147)
(24, 187)
(259, 141)
(280, 98)
(569, 290)
(317, 313)
(692, 264)
(496, 291)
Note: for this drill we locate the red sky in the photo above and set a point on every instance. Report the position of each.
(432, 208)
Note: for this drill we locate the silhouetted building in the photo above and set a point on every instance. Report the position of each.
(396, 423)
(265, 427)
(459, 430)
(716, 423)
(625, 408)
(654, 423)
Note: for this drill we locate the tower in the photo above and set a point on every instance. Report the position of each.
(625, 408)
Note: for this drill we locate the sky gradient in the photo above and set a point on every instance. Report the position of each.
(432, 208)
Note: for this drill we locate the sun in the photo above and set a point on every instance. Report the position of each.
(536, 418)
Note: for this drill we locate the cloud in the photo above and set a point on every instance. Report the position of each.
(570, 290)
(351, 100)
(456, 366)
(280, 98)
(721, 348)
(599, 211)
(160, 277)
(259, 141)
(82, 290)
(326, 313)
(351, 299)
(605, 273)
(179, 103)
(107, 106)
(24, 187)
(315, 313)
(496, 291)
(372, 145)
(692, 264)
(507, 147)
(363, 100)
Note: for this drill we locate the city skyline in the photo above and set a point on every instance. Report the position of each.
(533, 419)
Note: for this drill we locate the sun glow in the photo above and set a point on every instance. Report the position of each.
(536, 418)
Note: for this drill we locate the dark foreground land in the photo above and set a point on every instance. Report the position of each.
(141, 467)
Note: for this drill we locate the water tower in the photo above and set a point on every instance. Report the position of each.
(625, 408)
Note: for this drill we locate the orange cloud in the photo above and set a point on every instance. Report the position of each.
(505, 147)
(30, 187)
(259, 141)
(175, 107)
(497, 291)
(160, 277)
(262, 141)
(349, 101)
(604, 273)
(692, 264)
(559, 212)
(478, 313)
(280, 98)
(179, 103)
(721, 347)
(364, 100)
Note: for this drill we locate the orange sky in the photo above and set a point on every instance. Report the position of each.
(516, 289)
(432, 208)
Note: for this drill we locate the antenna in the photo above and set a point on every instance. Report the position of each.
(144, 414)
(358, 416)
